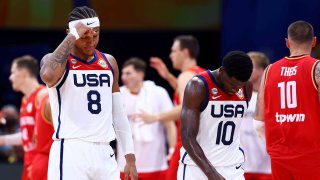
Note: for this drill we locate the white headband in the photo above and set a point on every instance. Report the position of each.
(89, 22)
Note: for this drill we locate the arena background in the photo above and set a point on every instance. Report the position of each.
(146, 28)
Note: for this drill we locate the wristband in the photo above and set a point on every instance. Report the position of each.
(74, 32)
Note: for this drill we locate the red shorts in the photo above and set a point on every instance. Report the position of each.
(174, 163)
(257, 176)
(159, 175)
(25, 172)
(292, 169)
(39, 167)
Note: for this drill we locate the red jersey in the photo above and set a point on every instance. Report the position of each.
(292, 117)
(176, 97)
(43, 130)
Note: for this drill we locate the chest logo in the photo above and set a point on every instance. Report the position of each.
(240, 94)
(103, 63)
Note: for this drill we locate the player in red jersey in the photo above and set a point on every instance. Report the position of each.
(289, 103)
(184, 53)
(43, 136)
(24, 71)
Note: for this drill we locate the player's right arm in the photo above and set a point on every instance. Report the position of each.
(194, 95)
(163, 71)
(53, 65)
(317, 78)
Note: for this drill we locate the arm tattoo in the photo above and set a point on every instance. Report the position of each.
(317, 74)
(60, 55)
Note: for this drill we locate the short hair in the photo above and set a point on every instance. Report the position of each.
(259, 58)
(238, 64)
(137, 63)
(189, 42)
(82, 12)
(301, 32)
(29, 63)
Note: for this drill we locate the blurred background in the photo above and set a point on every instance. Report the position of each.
(146, 28)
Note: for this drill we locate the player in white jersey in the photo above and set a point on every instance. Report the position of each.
(212, 110)
(149, 139)
(87, 110)
(257, 162)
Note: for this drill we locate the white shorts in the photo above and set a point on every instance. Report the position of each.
(82, 160)
(187, 172)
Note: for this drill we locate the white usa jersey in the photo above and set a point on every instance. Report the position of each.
(219, 128)
(81, 102)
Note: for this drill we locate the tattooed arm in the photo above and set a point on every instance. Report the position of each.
(317, 78)
(53, 65)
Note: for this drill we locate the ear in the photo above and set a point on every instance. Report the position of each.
(287, 43)
(314, 41)
(186, 52)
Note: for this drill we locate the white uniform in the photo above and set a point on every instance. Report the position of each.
(81, 104)
(257, 160)
(219, 132)
(149, 139)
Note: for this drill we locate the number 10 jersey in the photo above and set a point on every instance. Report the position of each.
(219, 128)
(81, 102)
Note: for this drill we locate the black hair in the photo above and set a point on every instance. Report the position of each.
(29, 63)
(137, 63)
(82, 12)
(238, 64)
(189, 42)
(301, 32)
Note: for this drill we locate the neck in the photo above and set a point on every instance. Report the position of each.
(81, 55)
(188, 64)
(136, 89)
(300, 51)
(29, 87)
(256, 84)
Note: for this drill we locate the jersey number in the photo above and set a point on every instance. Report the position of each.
(94, 99)
(288, 94)
(223, 129)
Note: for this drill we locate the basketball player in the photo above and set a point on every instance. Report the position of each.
(184, 53)
(23, 78)
(212, 111)
(86, 105)
(149, 139)
(257, 161)
(43, 139)
(289, 103)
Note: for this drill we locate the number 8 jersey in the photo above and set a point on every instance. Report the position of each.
(81, 102)
(219, 128)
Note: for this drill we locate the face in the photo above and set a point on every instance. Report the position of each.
(17, 77)
(230, 84)
(177, 56)
(86, 44)
(130, 77)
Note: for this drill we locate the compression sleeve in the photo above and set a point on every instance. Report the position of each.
(121, 124)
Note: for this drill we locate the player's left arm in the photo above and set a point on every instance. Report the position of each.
(317, 78)
(121, 124)
(194, 95)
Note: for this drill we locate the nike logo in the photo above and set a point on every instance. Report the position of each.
(215, 97)
(111, 155)
(237, 167)
(75, 67)
(90, 23)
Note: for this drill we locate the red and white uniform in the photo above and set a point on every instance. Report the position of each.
(149, 139)
(219, 131)
(81, 105)
(292, 117)
(27, 124)
(174, 161)
(43, 133)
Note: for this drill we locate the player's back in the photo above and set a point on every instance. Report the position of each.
(292, 109)
(81, 101)
(220, 121)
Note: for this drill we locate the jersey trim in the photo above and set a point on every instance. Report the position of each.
(84, 61)
(64, 77)
(206, 101)
(215, 81)
(61, 159)
(105, 57)
(266, 74)
(246, 95)
(183, 157)
(297, 57)
(313, 73)
(184, 171)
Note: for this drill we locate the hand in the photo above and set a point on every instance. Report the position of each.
(82, 29)
(146, 117)
(160, 66)
(130, 168)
